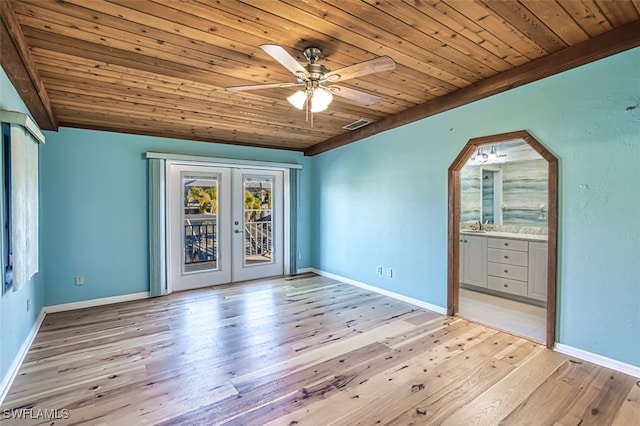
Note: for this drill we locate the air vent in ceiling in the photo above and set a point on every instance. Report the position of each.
(357, 124)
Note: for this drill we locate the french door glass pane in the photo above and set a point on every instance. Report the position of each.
(258, 226)
(200, 227)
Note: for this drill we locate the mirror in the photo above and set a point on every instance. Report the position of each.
(507, 186)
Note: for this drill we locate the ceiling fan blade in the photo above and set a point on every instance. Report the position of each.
(383, 63)
(284, 58)
(262, 86)
(354, 95)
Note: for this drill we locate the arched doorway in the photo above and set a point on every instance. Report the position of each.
(453, 264)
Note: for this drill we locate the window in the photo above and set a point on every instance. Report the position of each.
(7, 246)
(20, 251)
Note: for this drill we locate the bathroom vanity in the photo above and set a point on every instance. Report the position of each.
(505, 264)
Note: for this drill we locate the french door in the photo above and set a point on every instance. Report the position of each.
(223, 225)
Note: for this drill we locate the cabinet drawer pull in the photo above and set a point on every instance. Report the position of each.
(506, 285)
(506, 244)
(506, 271)
(506, 257)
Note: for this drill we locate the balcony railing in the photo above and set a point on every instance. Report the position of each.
(200, 243)
(258, 240)
(200, 237)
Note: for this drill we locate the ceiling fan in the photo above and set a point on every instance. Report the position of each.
(316, 80)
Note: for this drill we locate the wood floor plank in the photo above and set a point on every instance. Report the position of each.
(503, 397)
(423, 317)
(326, 352)
(409, 390)
(380, 381)
(300, 350)
(600, 401)
(302, 387)
(629, 413)
(436, 408)
(555, 394)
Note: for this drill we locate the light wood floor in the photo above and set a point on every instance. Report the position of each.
(304, 350)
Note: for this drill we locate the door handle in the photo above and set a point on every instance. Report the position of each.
(237, 231)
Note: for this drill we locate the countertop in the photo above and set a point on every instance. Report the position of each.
(510, 235)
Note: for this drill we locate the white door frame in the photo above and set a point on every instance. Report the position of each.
(497, 193)
(234, 164)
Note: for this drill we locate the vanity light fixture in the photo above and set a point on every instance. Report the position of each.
(483, 157)
(492, 153)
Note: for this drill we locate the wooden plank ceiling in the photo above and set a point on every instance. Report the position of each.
(160, 67)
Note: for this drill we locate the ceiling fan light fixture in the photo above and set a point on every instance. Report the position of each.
(320, 100)
(298, 99)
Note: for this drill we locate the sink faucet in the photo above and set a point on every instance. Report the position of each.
(481, 226)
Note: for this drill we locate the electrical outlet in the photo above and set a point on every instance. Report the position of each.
(379, 270)
(28, 305)
(390, 273)
(299, 256)
(79, 280)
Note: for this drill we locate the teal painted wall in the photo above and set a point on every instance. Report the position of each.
(383, 200)
(15, 321)
(94, 193)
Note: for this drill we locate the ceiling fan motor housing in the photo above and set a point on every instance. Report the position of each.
(317, 71)
(312, 54)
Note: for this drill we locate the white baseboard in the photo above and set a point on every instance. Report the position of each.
(603, 361)
(305, 270)
(397, 296)
(95, 302)
(17, 360)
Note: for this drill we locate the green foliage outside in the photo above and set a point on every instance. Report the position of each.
(207, 199)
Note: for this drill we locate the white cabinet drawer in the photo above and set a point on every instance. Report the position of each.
(506, 285)
(519, 258)
(508, 271)
(507, 244)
